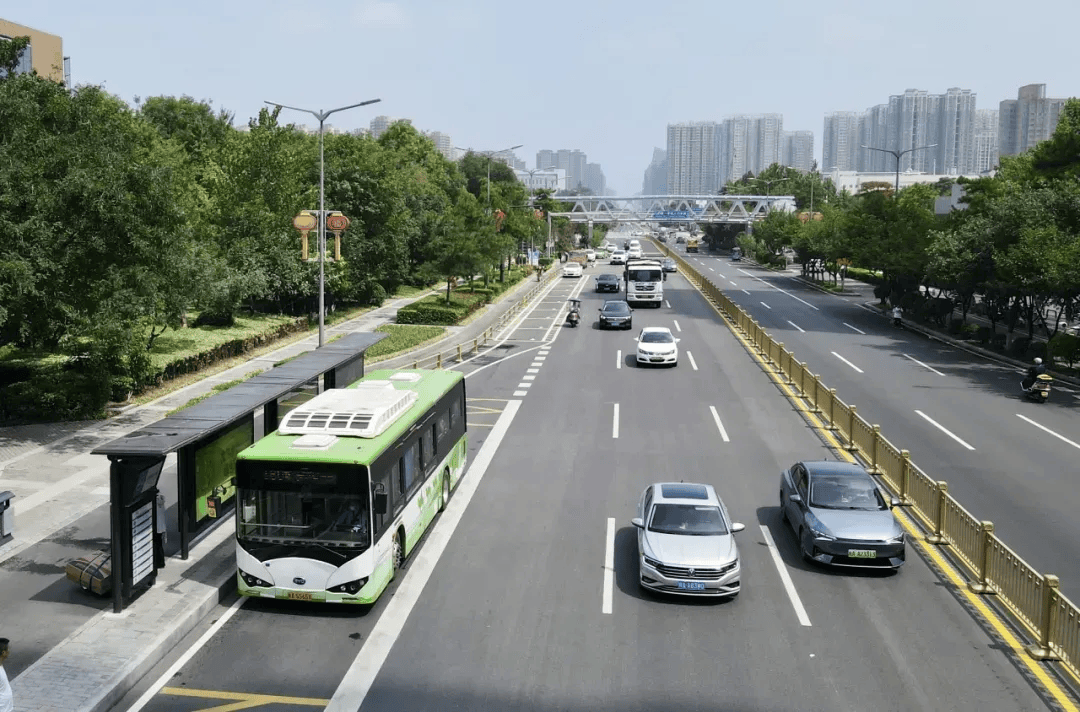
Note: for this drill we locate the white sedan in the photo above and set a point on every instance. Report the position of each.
(657, 345)
(571, 269)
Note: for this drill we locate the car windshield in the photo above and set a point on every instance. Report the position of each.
(669, 262)
(657, 337)
(616, 308)
(838, 492)
(644, 275)
(687, 519)
(607, 278)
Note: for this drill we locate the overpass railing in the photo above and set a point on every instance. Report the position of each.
(1051, 619)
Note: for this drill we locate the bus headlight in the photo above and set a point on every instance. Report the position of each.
(352, 587)
(254, 580)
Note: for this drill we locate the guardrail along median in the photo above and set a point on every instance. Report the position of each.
(1051, 620)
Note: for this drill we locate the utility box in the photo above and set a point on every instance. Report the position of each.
(7, 517)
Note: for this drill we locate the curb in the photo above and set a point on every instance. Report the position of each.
(193, 616)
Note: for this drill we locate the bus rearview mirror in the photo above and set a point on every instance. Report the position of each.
(381, 503)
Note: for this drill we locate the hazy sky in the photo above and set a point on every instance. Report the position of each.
(601, 76)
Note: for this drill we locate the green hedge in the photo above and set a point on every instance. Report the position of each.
(864, 275)
(424, 312)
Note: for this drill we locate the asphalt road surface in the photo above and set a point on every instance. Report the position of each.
(533, 602)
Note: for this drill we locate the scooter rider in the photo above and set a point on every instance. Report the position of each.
(1033, 374)
(897, 315)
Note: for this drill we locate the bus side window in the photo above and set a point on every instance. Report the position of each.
(455, 412)
(427, 447)
(410, 467)
(442, 427)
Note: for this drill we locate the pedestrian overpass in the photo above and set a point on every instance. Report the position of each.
(708, 209)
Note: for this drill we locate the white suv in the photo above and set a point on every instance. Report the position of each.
(618, 257)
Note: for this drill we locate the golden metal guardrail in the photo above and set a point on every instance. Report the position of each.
(1052, 620)
(458, 353)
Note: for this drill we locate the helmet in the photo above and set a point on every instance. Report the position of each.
(1038, 361)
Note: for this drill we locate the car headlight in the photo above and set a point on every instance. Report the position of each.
(650, 561)
(898, 539)
(818, 529)
(352, 587)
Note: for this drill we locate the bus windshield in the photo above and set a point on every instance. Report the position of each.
(303, 503)
(645, 275)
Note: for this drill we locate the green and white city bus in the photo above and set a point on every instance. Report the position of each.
(331, 503)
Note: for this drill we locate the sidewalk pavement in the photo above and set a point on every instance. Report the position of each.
(58, 484)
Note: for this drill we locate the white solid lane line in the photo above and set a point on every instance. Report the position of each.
(361, 674)
(719, 425)
(849, 363)
(797, 326)
(854, 329)
(796, 602)
(618, 359)
(615, 422)
(929, 368)
(692, 361)
(188, 655)
(609, 565)
(677, 327)
(1048, 430)
(766, 305)
(942, 429)
(769, 284)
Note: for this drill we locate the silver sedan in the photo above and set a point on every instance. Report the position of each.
(685, 541)
(840, 516)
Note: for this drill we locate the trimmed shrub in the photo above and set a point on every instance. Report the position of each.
(424, 312)
(62, 395)
(1066, 347)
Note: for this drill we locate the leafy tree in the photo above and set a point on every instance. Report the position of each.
(1060, 155)
(11, 52)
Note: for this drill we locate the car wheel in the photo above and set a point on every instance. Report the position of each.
(397, 553)
(445, 490)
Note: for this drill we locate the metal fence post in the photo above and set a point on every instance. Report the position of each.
(1041, 650)
(459, 353)
(816, 408)
(905, 478)
(874, 469)
(851, 446)
(938, 537)
(784, 375)
(416, 365)
(438, 360)
(982, 582)
(475, 345)
(831, 425)
(802, 379)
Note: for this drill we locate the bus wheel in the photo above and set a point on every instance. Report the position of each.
(445, 490)
(398, 552)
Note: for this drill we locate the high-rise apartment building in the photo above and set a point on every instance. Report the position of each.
(546, 159)
(655, 182)
(840, 141)
(693, 153)
(936, 132)
(1027, 120)
(571, 161)
(985, 151)
(595, 180)
(798, 150)
(44, 54)
(443, 143)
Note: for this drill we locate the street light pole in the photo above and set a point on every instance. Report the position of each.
(489, 154)
(322, 116)
(898, 154)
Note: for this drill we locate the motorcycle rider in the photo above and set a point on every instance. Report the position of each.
(1033, 373)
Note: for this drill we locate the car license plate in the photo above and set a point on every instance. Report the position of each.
(862, 553)
(301, 596)
(691, 585)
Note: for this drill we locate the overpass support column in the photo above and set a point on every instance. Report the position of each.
(590, 236)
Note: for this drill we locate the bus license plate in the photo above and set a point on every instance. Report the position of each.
(862, 553)
(691, 585)
(301, 596)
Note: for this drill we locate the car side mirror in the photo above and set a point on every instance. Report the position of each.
(382, 503)
(794, 498)
(737, 527)
(638, 522)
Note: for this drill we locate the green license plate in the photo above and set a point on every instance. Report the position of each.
(862, 554)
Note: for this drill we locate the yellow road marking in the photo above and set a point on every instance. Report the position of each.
(245, 701)
(989, 615)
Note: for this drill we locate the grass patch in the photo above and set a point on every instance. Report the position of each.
(216, 389)
(402, 337)
(177, 344)
(407, 290)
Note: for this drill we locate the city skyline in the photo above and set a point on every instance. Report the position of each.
(252, 52)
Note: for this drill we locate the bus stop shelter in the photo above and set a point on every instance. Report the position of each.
(206, 438)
